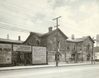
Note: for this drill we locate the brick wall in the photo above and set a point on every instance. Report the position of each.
(51, 46)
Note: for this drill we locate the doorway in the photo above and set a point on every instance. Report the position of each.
(22, 58)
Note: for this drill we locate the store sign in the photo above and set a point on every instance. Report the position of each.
(5, 53)
(22, 48)
(38, 55)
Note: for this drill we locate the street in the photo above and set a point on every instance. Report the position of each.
(83, 71)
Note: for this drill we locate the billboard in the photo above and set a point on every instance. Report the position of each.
(38, 55)
(5, 53)
(22, 48)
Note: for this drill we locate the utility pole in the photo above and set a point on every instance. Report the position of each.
(57, 18)
(57, 41)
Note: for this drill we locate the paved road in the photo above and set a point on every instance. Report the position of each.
(85, 71)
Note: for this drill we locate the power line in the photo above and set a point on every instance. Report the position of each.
(11, 27)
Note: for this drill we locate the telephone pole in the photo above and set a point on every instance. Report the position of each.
(57, 18)
(57, 41)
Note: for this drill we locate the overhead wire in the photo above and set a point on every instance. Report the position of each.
(12, 27)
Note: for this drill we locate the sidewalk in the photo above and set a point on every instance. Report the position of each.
(42, 66)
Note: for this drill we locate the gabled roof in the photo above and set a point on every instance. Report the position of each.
(49, 33)
(44, 35)
(80, 39)
(84, 38)
(10, 41)
(31, 34)
(38, 34)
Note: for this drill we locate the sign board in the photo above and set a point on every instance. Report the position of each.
(5, 53)
(97, 56)
(38, 55)
(22, 48)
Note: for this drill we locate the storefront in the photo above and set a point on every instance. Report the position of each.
(22, 55)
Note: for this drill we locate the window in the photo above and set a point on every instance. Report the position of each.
(6, 49)
(38, 42)
(80, 49)
(88, 47)
(68, 48)
(0, 49)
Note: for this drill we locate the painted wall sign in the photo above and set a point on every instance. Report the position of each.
(5, 53)
(23, 48)
(38, 55)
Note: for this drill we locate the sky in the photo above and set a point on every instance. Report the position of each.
(19, 17)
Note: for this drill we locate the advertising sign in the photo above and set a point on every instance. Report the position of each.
(38, 55)
(5, 54)
(22, 48)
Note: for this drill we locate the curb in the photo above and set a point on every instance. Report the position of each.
(23, 67)
(42, 66)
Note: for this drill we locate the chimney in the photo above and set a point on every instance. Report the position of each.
(7, 36)
(50, 29)
(72, 37)
(19, 38)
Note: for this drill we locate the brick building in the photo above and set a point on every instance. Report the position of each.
(80, 49)
(48, 40)
(75, 50)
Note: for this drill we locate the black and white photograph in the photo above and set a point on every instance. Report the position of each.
(49, 38)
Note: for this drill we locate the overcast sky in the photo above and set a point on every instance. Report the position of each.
(79, 17)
